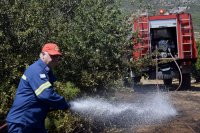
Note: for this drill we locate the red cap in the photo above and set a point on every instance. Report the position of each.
(51, 48)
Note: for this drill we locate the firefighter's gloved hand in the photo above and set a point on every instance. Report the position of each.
(70, 105)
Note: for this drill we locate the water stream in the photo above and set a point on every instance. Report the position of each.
(148, 109)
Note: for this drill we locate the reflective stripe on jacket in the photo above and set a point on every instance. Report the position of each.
(35, 96)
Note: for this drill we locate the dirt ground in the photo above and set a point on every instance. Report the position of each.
(187, 104)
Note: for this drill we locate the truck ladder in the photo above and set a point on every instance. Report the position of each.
(143, 28)
(186, 36)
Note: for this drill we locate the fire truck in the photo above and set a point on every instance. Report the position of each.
(171, 35)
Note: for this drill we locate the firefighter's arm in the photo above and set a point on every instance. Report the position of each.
(43, 89)
(53, 99)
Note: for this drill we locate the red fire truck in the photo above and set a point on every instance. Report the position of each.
(171, 35)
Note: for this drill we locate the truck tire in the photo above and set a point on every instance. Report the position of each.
(167, 82)
(186, 81)
(166, 75)
(137, 79)
(135, 85)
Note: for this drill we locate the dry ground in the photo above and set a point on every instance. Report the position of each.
(187, 103)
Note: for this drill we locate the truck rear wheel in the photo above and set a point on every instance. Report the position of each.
(167, 82)
(135, 85)
(137, 79)
(186, 81)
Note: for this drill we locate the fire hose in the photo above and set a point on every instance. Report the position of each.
(157, 69)
(181, 77)
(3, 127)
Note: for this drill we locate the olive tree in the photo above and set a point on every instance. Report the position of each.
(93, 44)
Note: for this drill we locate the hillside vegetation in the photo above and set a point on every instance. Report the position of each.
(131, 6)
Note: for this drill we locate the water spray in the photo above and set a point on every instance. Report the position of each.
(148, 109)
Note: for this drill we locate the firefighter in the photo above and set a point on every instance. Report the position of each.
(35, 95)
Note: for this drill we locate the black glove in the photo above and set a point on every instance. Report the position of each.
(69, 105)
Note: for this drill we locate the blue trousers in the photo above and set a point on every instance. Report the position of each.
(19, 128)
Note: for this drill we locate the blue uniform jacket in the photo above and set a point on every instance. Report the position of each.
(35, 96)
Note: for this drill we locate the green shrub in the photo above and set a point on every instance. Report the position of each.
(196, 70)
(90, 35)
(63, 121)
